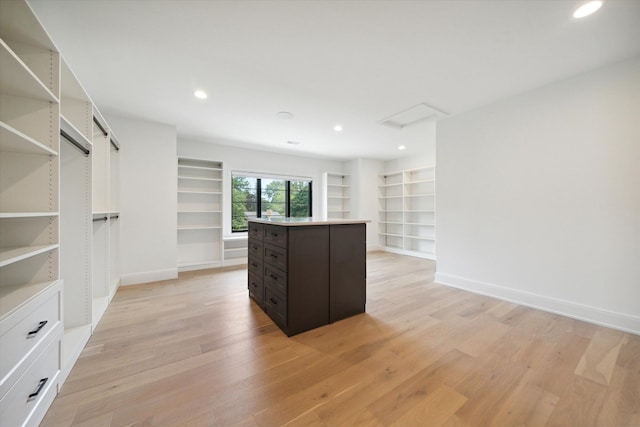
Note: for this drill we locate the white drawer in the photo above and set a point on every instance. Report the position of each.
(24, 332)
(27, 401)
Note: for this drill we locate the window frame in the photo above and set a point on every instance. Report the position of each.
(259, 177)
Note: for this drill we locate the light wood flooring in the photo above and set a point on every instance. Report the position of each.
(196, 352)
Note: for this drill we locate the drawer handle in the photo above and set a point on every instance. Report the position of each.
(273, 256)
(254, 285)
(38, 389)
(274, 234)
(273, 301)
(253, 264)
(273, 277)
(33, 333)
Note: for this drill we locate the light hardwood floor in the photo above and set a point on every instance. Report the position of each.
(196, 352)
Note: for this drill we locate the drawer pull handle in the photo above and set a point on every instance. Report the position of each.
(273, 277)
(38, 389)
(274, 234)
(33, 333)
(273, 256)
(253, 264)
(254, 285)
(273, 301)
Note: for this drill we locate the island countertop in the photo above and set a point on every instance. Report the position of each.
(291, 222)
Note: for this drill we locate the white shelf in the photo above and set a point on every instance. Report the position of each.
(421, 195)
(420, 237)
(420, 182)
(198, 192)
(390, 197)
(199, 168)
(12, 255)
(391, 234)
(18, 80)
(195, 178)
(343, 210)
(391, 222)
(12, 140)
(14, 297)
(195, 212)
(73, 132)
(199, 227)
(337, 197)
(27, 214)
(421, 224)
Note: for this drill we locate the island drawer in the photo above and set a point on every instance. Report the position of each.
(275, 305)
(256, 231)
(255, 266)
(256, 289)
(275, 279)
(255, 248)
(275, 235)
(275, 256)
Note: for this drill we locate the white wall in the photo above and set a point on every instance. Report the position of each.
(421, 152)
(246, 160)
(364, 195)
(148, 201)
(539, 198)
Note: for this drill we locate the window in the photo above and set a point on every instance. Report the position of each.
(258, 197)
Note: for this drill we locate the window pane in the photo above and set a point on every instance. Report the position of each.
(243, 202)
(299, 198)
(273, 197)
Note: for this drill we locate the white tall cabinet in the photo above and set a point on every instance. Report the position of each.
(337, 188)
(199, 214)
(48, 190)
(406, 215)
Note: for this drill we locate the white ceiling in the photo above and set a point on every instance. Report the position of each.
(327, 62)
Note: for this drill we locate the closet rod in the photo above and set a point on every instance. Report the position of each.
(114, 216)
(97, 122)
(102, 218)
(74, 142)
(115, 144)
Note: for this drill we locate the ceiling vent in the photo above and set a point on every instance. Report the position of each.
(412, 115)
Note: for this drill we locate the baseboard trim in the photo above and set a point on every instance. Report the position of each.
(148, 276)
(598, 316)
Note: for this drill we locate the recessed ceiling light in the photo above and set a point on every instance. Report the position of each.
(293, 142)
(337, 128)
(401, 147)
(587, 9)
(285, 115)
(200, 94)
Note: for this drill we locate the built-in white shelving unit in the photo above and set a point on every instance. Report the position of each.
(57, 269)
(407, 211)
(30, 286)
(105, 216)
(338, 195)
(75, 216)
(199, 214)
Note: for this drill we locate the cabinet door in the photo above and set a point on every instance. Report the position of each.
(308, 275)
(348, 287)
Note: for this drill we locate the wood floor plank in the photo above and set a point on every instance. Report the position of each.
(599, 359)
(196, 351)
